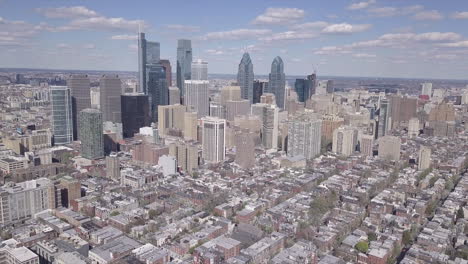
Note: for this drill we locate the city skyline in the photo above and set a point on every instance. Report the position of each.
(343, 38)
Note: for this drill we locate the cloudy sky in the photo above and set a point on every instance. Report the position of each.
(382, 38)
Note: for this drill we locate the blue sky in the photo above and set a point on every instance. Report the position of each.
(382, 38)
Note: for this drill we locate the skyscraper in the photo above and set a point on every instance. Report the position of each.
(111, 89)
(62, 124)
(168, 69)
(236, 108)
(344, 141)
(304, 136)
(81, 97)
(199, 70)
(270, 127)
(171, 117)
(324, 87)
(245, 77)
(142, 62)
(402, 108)
(174, 95)
(413, 127)
(277, 81)
(230, 93)
(383, 120)
(305, 88)
(91, 134)
(245, 148)
(113, 167)
(214, 138)
(424, 161)
(190, 126)
(197, 97)
(366, 145)
(426, 89)
(135, 113)
(258, 88)
(184, 63)
(158, 91)
(389, 147)
(152, 52)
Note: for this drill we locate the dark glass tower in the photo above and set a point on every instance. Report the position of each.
(158, 90)
(245, 77)
(184, 63)
(135, 113)
(142, 62)
(305, 88)
(79, 85)
(258, 88)
(277, 82)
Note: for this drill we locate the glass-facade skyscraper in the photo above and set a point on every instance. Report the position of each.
(277, 81)
(110, 89)
(158, 90)
(142, 62)
(62, 124)
(152, 52)
(305, 88)
(91, 135)
(135, 113)
(184, 63)
(199, 70)
(245, 78)
(79, 85)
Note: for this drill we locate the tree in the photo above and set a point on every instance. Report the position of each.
(153, 214)
(362, 246)
(407, 237)
(460, 213)
(371, 236)
(114, 213)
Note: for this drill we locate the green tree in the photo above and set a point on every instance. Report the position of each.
(362, 246)
(460, 213)
(407, 237)
(114, 213)
(371, 236)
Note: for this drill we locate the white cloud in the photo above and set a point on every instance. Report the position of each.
(459, 44)
(214, 52)
(185, 28)
(460, 15)
(63, 46)
(438, 36)
(67, 12)
(331, 50)
(89, 46)
(125, 37)
(345, 28)
(289, 35)
(388, 11)
(236, 34)
(17, 32)
(361, 5)
(279, 16)
(364, 55)
(310, 25)
(428, 15)
(103, 23)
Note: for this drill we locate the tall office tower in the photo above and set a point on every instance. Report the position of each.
(168, 69)
(95, 98)
(199, 70)
(91, 137)
(81, 97)
(184, 63)
(464, 99)
(424, 161)
(111, 89)
(174, 95)
(325, 87)
(268, 98)
(366, 145)
(304, 136)
(135, 113)
(190, 126)
(426, 89)
(70, 190)
(236, 108)
(245, 148)
(62, 124)
(389, 147)
(158, 91)
(217, 110)
(403, 108)
(258, 88)
(171, 117)
(113, 167)
(305, 88)
(21, 201)
(142, 62)
(442, 112)
(245, 77)
(277, 81)
(197, 97)
(344, 141)
(413, 127)
(230, 93)
(270, 127)
(384, 118)
(214, 138)
(186, 154)
(329, 124)
(152, 52)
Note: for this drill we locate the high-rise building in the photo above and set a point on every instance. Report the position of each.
(305, 88)
(413, 127)
(111, 90)
(217, 110)
(270, 115)
(81, 97)
(384, 118)
(402, 108)
(325, 87)
(62, 124)
(344, 141)
(329, 124)
(235, 108)
(366, 145)
(186, 153)
(277, 81)
(426, 89)
(199, 70)
(171, 117)
(168, 69)
(245, 148)
(158, 91)
(214, 138)
(190, 126)
(142, 62)
(184, 63)
(135, 113)
(268, 98)
(197, 97)
(91, 134)
(304, 136)
(258, 88)
(95, 98)
(245, 78)
(113, 167)
(152, 52)
(389, 148)
(174, 95)
(230, 93)
(424, 161)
